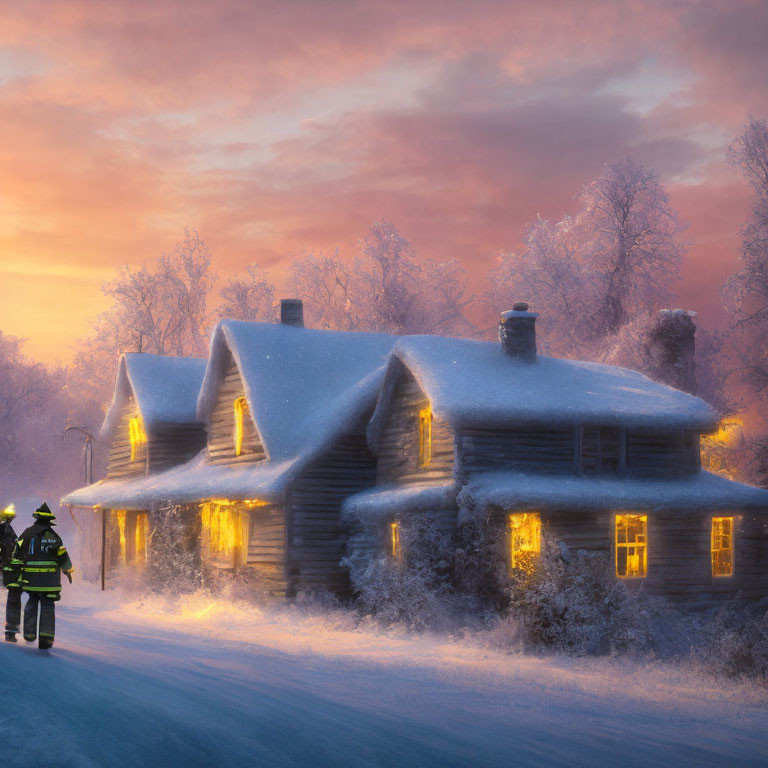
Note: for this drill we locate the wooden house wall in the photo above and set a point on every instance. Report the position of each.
(267, 548)
(119, 463)
(536, 448)
(679, 550)
(316, 539)
(173, 444)
(221, 430)
(660, 453)
(398, 449)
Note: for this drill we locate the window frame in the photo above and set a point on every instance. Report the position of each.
(137, 438)
(617, 545)
(425, 436)
(531, 519)
(395, 544)
(731, 549)
(240, 408)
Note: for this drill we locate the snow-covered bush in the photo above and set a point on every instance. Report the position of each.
(572, 603)
(732, 641)
(174, 564)
(414, 589)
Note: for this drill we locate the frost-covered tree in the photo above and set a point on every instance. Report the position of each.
(601, 271)
(746, 292)
(250, 297)
(161, 307)
(384, 288)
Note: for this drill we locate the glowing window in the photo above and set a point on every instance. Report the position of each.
(631, 546)
(394, 539)
(120, 515)
(524, 540)
(141, 539)
(225, 532)
(138, 438)
(722, 546)
(241, 410)
(425, 436)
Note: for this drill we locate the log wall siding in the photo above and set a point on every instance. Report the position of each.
(316, 539)
(267, 548)
(119, 463)
(657, 453)
(398, 449)
(172, 444)
(679, 550)
(221, 431)
(538, 449)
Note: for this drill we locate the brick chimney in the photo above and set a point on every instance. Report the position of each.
(517, 332)
(671, 347)
(292, 312)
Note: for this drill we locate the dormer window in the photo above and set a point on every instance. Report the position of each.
(241, 410)
(138, 439)
(425, 436)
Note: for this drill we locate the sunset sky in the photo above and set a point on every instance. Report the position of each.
(276, 126)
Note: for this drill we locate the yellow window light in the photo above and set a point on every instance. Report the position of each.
(142, 537)
(120, 516)
(524, 540)
(722, 546)
(425, 436)
(241, 409)
(138, 438)
(225, 531)
(394, 536)
(631, 546)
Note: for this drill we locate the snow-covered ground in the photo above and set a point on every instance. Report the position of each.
(204, 682)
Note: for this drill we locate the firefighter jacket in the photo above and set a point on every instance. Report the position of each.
(43, 556)
(7, 541)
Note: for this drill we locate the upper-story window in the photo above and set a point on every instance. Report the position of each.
(601, 450)
(631, 546)
(138, 439)
(425, 436)
(722, 546)
(241, 410)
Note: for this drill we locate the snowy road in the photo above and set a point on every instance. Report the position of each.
(213, 684)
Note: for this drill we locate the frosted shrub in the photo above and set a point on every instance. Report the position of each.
(174, 556)
(413, 590)
(733, 641)
(573, 603)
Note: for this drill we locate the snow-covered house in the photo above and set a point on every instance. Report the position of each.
(150, 426)
(285, 410)
(603, 458)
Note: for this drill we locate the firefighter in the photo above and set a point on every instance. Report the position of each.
(43, 556)
(11, 574)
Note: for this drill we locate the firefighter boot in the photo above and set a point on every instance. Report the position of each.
(10, 637)
(45, 642)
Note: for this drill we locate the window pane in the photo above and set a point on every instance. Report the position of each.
(631, 546)
(722, 546)
(524, 540)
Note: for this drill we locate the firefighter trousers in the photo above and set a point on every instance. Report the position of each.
(47, 614)
(13, 610)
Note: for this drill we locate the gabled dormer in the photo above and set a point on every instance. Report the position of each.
(151, 424)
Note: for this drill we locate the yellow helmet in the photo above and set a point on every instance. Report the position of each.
(8, 513)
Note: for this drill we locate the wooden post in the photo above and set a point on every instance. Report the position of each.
(103, 546)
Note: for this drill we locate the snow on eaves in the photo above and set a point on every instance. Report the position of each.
(700, 491)
(384, 503)
(476, 383)
(166, 389)
(303, 386)
(188, 483)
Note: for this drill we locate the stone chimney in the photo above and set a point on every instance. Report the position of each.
(517, 332)
(292, 312)
(671, 347)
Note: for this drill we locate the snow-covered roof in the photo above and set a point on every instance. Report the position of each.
(194, 481)
(384, 503)
(477, 383)
(166, 389)
(703, 490)
(303, 386)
